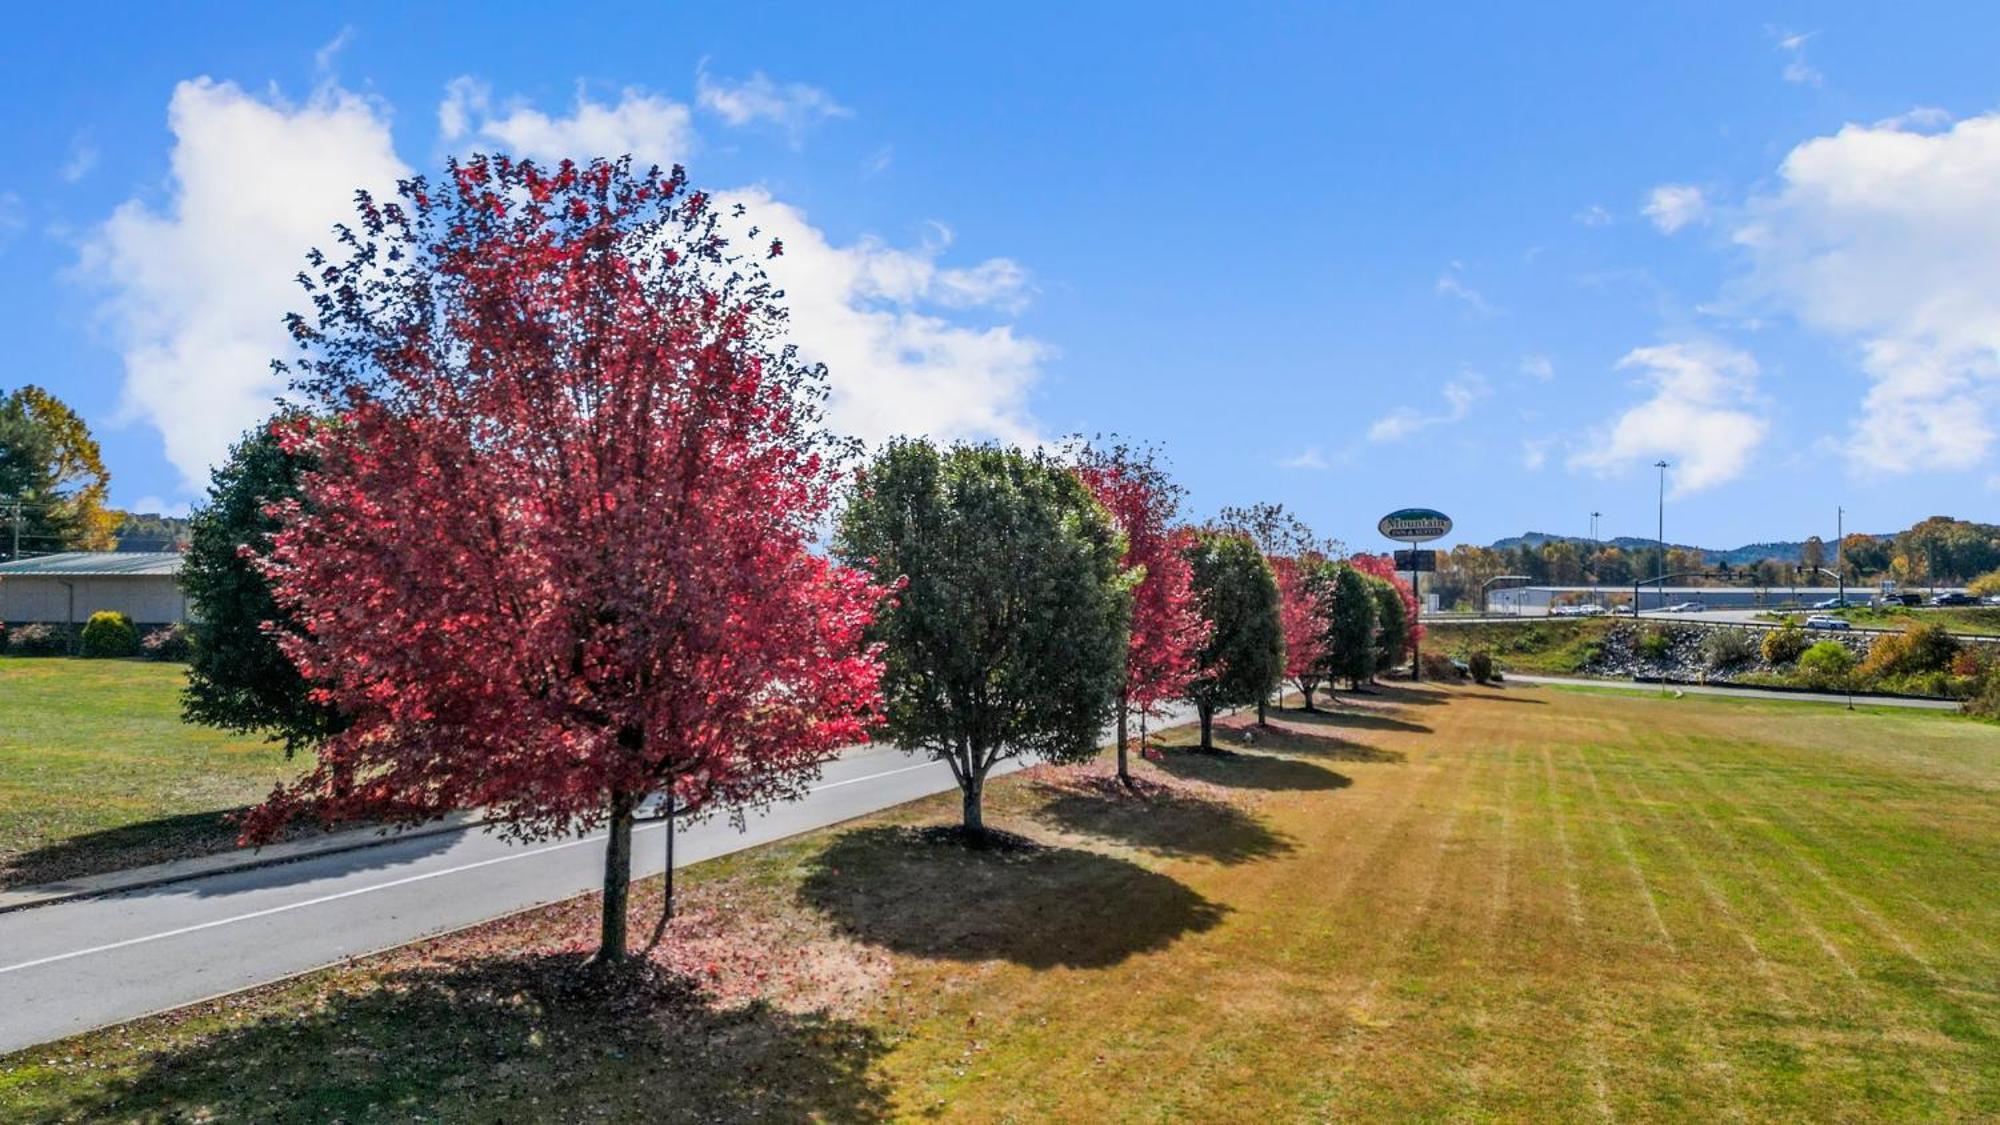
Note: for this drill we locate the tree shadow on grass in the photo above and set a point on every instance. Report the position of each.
(1358, 719)
(1284, 737)
(1408, 694)
(1042, 907)
(510, 1039)
(189, 836)
(1251, 771)
(127, 845)
(1165, 821)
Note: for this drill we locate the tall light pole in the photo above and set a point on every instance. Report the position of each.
(1840, 568)
(1661, 538)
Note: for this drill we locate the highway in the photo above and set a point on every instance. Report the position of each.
(82, 964)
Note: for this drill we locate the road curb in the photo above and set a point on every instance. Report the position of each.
(220, 863)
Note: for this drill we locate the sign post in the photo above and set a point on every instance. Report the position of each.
(1415, 525)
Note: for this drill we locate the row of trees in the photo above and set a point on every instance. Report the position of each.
(1935, 550)
(538, 539)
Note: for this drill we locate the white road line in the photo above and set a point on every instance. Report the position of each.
(407, 879)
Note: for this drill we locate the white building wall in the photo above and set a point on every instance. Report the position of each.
(149, 599)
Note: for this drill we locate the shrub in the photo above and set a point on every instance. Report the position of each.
(1481, 663)
(1784, 646)
(1985, 702)
(109, 635)
(1439, 668)
(1657, 644)
(1728, 648)
(169, 642)
(1917, 650)
(1826, 664)
(1970, 663)
(38, 640)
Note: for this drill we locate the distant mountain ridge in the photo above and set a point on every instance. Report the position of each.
(1747, 555)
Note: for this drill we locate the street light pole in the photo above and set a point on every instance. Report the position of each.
(1840, 568)
(1661, 590)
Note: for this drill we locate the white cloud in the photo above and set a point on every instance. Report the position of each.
(1538, 367)
(196, 288)
(155, 506)
(793, 105)
(1449, 285)
(868, 310)
(1593, 216)
(1312, 459)
(1889, 240)
(1698, 417)
(653, 129)
(329, 52)
(82, 158)
(1792, 45)
(1673, 206)
(1534, 454)
(1459, 396)
(197, 291)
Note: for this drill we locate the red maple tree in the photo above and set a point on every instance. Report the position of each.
(1303, 619)
(555, 555)
(1168, 629)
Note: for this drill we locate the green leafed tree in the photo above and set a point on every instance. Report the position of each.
(1008, 637)
(1245, 654)
(237, 677)
(1392, 624)
(1351, 626)
(51, 469)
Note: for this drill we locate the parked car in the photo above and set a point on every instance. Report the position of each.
(1888, 600)
(1826, 621)
(1950, 598)
(1686, 607)
(1831, 603)
(1586, 610)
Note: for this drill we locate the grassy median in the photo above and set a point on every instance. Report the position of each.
(1480, 903)
(98, 772)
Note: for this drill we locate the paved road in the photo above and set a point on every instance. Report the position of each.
(1744, 693)
(78, 965)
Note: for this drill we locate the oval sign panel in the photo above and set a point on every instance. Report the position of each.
(1415, 525)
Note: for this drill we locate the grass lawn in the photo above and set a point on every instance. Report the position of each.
(98, 772)
(1548, 646)
(1527, 903)
(1966, 621)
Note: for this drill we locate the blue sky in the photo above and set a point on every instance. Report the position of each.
(1492, 261)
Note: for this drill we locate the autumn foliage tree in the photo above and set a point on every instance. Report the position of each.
(1245, 653)
(1293, 550)
(1167, 627)
(553, 552)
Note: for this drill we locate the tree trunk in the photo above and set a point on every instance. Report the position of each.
(1260, 712)
(975, 821)
(1207, 711)
(617, 882)
(1124, 706)
(1306, 688)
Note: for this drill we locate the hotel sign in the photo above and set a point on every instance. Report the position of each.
(1415, 525)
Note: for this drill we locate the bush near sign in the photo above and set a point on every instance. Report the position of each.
(1415, 525)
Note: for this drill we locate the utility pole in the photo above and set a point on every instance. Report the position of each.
(16, 506)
